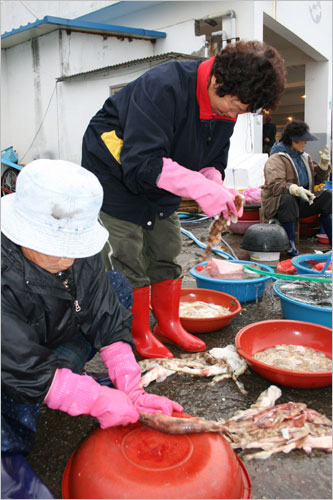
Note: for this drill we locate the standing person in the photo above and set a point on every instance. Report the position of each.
(164, 136)
(268, 134)
(58, 305)
(290, 177)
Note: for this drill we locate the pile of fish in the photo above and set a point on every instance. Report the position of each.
(308, 292)
(220, 363)
(272, 428)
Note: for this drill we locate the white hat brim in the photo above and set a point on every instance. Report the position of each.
(65, 244)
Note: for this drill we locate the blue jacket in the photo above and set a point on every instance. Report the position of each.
(164, 113)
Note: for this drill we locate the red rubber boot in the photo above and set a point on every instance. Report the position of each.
(146, 344)
(165, 298)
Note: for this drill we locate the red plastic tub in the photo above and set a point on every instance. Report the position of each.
(205, 325)
(138, 462)
(264, 334)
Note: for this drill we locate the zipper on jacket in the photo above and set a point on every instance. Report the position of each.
(70, 288)
(77, 306)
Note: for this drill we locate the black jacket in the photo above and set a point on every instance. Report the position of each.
(158, 115)
(38, 314)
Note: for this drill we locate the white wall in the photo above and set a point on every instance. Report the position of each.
(4, 102)
(33, 125)
(96, 91)
(65, 116)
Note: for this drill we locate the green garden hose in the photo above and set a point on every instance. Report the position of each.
(289, 277)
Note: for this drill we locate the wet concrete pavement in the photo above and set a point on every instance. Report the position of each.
(296, 475)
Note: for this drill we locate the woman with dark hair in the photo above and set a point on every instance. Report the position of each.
(164, 136)
(290, 177)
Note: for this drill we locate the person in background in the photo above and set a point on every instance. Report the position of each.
(290, 177)
(57, 306)
(268, 134)
(164, 136)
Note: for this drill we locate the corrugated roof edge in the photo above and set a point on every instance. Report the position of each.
(167, 56)
(73, 23)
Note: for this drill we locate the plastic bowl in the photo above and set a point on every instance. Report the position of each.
(304, 263)
(264, 334)
(296, 310)
(241, 226)
(204, 325)
(265, 237)
(322, 239)
(286, 267)
(243, 290)
(250, 212)
(138, 462)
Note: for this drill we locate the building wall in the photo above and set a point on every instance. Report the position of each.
(44, 118)
(34, 124)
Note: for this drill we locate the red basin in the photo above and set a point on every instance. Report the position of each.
(138, 462)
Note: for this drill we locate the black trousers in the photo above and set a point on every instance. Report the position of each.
(292, 208)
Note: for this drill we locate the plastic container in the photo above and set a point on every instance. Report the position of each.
(322, 239)
(286, 267)
(304, 263)
(264, 334)
(265, 238)
(138, 462)
(244, 290)
(241, 226)
(205, 325)
(250, 212)
(296, 310)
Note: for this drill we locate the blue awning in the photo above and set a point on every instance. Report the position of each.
(50, 23)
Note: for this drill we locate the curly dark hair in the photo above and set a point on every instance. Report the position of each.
(293, 129)
(252, 71)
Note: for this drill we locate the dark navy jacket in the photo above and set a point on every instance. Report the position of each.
(164, 113)
(38, 315)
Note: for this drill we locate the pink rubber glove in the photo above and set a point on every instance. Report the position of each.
(212, 198)
(125, 374)
(212, 174)
(215, 175)
(82, 395)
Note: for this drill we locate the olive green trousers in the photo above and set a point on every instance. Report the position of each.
(144, 257)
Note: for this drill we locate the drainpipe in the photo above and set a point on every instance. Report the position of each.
(224, 36)
(232, 15)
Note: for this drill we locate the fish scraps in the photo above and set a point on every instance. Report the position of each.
(264, 425)
(220, 363)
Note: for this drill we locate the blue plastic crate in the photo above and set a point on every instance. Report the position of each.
(10, 154)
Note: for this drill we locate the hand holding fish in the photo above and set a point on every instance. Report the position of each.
(125, 374)
(220, 224)
(213, 197)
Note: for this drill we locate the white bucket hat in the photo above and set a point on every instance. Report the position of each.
(55, 210)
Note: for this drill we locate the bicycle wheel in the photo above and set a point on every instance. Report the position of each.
(8, 181)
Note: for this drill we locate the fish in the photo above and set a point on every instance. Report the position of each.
(200, 309)
(158, 373)
(176, 425)
(219, 363)
(308, 292)
(214, 236)
(266, 426)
